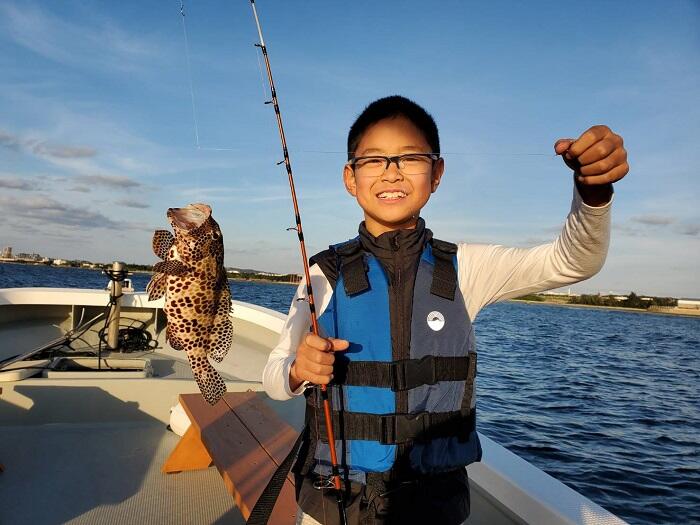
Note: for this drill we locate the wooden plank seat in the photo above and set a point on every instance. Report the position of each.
(245, 440)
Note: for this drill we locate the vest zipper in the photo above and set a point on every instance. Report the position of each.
(401, 397)
(398, 293)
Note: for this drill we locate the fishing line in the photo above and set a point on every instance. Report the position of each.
(192, 95)
(322, 390)
(189, 72)
(258, 53)
(262, 81)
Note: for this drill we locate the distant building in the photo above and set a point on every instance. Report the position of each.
(691, 304)
(29, 257)
(555, 293)
(60, 262)
(6, 252)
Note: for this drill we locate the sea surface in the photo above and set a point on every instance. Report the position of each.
(606, 401)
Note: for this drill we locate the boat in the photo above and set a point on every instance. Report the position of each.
(84, 430)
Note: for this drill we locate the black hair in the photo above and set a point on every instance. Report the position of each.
(390, 107)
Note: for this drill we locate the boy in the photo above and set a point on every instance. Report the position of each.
(395, 306)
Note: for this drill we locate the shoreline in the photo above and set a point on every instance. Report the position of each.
(147, 272)
(679, 312)
(261, 281)
(689, 313)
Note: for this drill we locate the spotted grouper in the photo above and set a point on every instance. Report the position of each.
(193, 280)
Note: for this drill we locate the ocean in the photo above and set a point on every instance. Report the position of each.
(605, 401)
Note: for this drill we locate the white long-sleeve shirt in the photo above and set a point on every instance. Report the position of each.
(487, 273)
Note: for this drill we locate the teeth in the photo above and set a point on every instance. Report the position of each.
(391, 195)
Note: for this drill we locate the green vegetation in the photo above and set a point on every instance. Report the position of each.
(248, 276)
(531, 297)
(139, 267)
(287, 278)
(631, 301)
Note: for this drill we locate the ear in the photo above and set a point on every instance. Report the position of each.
(438, 170)
(349, 180)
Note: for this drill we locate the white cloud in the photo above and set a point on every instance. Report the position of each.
(100, 44)
(654, 220)
(111, 181)
(17, 183)
(45, 211)
(132, 204)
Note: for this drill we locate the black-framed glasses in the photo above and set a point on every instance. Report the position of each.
(408, 164)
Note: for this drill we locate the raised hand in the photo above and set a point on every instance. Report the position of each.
(598, 158)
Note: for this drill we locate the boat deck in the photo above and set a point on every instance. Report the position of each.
(106, 473)
(109, 473)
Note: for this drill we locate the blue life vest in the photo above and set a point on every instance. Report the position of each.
(438, 432)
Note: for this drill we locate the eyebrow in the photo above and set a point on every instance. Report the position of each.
(379, 151)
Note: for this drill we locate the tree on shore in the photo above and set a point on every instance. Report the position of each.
(631, 301)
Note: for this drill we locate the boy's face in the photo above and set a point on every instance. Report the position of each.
(392, 200)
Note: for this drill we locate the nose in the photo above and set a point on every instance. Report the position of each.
(392, 173)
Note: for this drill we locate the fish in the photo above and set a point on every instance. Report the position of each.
(192, 278)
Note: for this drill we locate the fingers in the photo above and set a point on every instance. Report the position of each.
(587, 139)
(597, 156)
(599, 167)
(611, 176)
(315, 358)
(338, 345)
(326, 345)
(561, 145)
(600, 150)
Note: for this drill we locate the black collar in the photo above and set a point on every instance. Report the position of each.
(408, 242)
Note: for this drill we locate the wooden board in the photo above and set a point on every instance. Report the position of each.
(275, 436)
(246, 442)
(189, 454)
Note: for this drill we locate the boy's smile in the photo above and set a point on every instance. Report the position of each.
(391, 199)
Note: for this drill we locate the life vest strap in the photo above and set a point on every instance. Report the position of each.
(404, 374)
(444, 273)
(391, 429)
(353, 267)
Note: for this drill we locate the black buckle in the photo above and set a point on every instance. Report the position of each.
(400, 428)
(412, 373)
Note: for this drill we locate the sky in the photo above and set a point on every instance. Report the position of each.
(112, 112)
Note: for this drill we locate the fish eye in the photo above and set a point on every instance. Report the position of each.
(215, 234)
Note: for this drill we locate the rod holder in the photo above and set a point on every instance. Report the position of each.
(117, 275)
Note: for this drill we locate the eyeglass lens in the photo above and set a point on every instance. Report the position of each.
(407, 164)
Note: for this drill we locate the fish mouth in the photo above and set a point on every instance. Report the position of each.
(190, 217)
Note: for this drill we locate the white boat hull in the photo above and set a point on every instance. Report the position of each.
(44, 420)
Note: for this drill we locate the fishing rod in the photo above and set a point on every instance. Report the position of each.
(335, 473)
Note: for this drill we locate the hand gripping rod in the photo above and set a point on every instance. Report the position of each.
(309, 292)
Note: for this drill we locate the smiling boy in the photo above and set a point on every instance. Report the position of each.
(397, 306)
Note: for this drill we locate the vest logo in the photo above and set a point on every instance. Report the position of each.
(436, 321)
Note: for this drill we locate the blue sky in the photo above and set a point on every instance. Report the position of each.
(97, 136)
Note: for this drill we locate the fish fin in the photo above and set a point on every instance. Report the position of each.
(223, 339)
(172, 339)
(222, 331)
(171, 267)
(210, 383)
(162, 241)
(156, 287)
